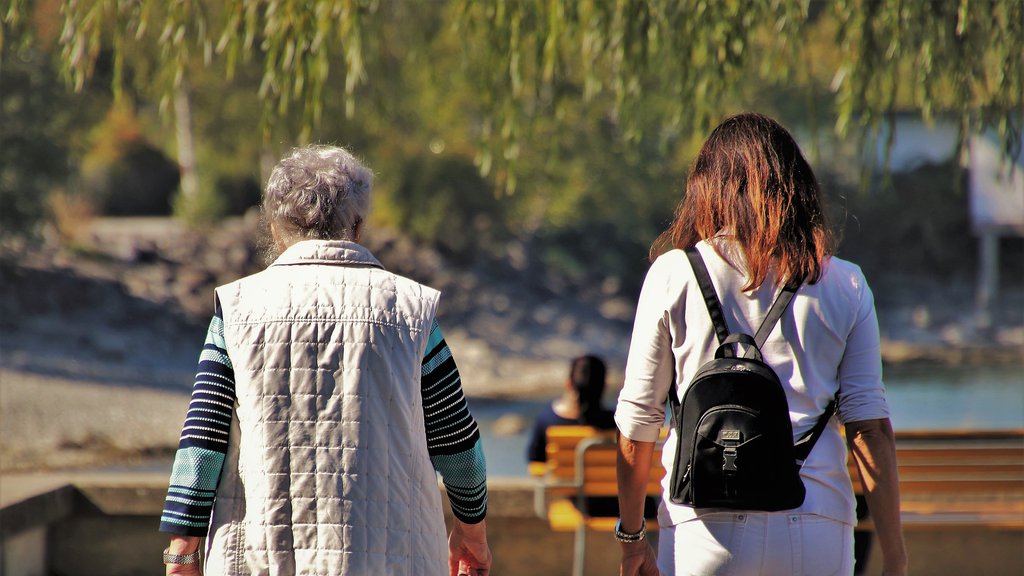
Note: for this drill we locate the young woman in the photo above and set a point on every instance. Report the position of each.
(580, 404)
(752, 208)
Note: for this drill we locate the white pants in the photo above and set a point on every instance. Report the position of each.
(756, 543)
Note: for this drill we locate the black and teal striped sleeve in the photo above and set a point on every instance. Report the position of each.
(204, 439)
(453, 439)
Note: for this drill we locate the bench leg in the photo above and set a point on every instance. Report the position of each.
(580, 550)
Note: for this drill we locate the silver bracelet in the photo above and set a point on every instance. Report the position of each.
(628, 537)
(169, 558)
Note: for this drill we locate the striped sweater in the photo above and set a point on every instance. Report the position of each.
(453, 439)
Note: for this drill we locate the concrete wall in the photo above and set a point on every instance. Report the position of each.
(960, 552)
(112, 531)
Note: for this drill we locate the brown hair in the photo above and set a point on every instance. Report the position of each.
(750, 180)
(588, 375)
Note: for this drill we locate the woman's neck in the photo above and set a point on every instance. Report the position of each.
(566, 406)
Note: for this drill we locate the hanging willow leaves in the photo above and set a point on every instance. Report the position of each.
(964, 58)
(298, 43)
(684, 61)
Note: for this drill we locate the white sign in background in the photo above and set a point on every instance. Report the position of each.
(996, 188)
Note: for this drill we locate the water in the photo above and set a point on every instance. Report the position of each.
(506, 454)
(920, 398)
(960, 398)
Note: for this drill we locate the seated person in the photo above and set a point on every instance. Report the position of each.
(579, 405)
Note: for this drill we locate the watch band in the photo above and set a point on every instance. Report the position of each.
(169, 558)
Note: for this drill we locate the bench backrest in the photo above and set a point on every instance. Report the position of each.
(583, 458)
(957, 462)
(934, 467)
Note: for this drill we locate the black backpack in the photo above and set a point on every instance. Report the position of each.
(735, 439)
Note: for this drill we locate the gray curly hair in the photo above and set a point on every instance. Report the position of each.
(318, 192)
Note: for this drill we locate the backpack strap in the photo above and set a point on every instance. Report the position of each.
(714, 305)
(707, 289)
(674, 406)
(804, 445)
(774, 313)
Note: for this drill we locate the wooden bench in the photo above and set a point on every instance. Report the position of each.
(581, 465)
(958, 478)
(948, 479)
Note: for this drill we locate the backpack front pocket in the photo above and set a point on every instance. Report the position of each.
(728, 458)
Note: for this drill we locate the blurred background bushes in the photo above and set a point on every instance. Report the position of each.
(443, 201)
(122, 174)
(578, 194)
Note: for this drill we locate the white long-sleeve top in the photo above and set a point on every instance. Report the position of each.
(827, 341)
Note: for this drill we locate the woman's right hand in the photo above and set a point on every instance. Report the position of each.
(468, 552)
(638, 559)
(184, 545)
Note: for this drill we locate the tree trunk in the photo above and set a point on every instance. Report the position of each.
(186, 143)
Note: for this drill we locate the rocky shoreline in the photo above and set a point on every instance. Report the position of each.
(98, 341)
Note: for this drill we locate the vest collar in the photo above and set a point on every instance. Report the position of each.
(336, 252)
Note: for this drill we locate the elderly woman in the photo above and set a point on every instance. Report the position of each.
(325, 400)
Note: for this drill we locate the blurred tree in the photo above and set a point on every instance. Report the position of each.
(122, 173)
(961, 56)
(33, 156)
(439, 200)
(965, 56)
(584, 113)
(40, 123)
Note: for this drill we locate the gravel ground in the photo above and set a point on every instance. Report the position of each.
(98, 346)
(54, 422)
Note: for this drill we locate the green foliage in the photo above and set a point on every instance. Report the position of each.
(140, 182)
(201, 210)
(444, 201)
(32, 159)
(581, 116)
(633, 50)
(35, 122)
(965, 57)
(122, 173)
(238, 194)
(295, 40)
(531, 58)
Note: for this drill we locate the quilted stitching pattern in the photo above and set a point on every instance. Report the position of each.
(333, 468)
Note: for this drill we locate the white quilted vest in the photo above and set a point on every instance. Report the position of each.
(327, 469)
